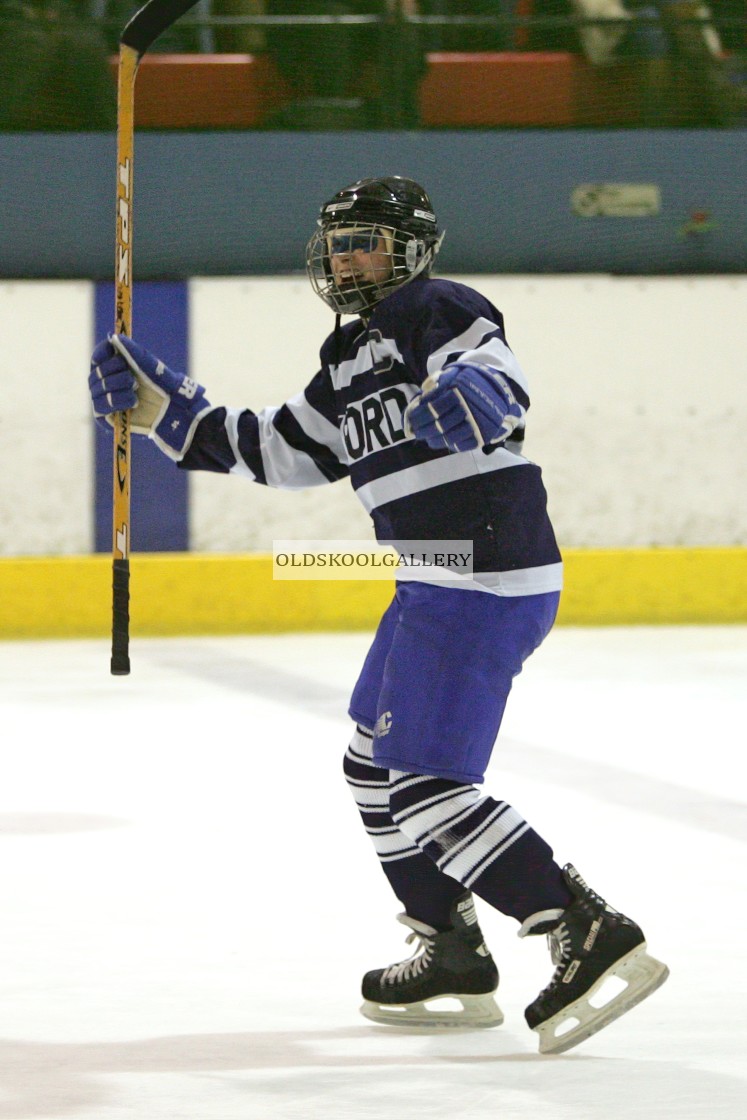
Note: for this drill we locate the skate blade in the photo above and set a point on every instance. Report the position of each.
(642, 975)
(477, 1012)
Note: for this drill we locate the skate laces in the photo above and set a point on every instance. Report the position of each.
(421, 958)
(559, 944)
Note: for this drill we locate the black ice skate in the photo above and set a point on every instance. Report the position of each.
(455, 964)
(590, 943)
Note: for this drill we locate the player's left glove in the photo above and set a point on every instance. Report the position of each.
(463, 407)
(166, 405)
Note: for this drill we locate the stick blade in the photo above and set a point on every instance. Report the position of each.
(151, 21)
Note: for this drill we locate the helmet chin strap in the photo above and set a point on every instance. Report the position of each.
(338, 337)
(421, 257)
(414, 254)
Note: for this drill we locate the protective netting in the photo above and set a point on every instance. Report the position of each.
(391, 64)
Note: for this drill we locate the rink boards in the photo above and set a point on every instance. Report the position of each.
(637, 419)
(182, 593)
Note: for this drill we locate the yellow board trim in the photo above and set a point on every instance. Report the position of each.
(199, 593)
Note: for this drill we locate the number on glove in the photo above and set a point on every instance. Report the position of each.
(166, 406)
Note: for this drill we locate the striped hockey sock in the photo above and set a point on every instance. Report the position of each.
(426, 893)
(484, 844)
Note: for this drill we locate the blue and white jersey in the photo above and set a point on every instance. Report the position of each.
(348, 422)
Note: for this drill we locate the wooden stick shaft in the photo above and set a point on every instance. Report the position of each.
(120, 659)
(141, 31)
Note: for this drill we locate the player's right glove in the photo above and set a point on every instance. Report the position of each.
(166, 406)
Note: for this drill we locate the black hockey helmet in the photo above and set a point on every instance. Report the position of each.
(393, 208)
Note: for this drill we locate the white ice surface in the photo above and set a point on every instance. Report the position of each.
(188, 901)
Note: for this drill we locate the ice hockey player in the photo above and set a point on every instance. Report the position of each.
(421, 403)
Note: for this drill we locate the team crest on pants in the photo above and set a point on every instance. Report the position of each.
(383, 725)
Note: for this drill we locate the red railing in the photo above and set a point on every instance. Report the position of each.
(511, 89)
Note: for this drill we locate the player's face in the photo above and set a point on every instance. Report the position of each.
(359, 257)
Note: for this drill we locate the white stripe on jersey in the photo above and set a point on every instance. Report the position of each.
(436, 472)
(493, 352)
(516, 581)
(523, 581)
(317, 426)
(375, 350)
(285, 467)
(232, 431)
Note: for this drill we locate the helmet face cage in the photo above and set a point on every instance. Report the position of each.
(380, 243)
(358, 284)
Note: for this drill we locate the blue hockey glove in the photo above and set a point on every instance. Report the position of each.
(166, 406)
(463, 407)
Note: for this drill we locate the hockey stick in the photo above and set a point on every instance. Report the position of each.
(144, 27)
